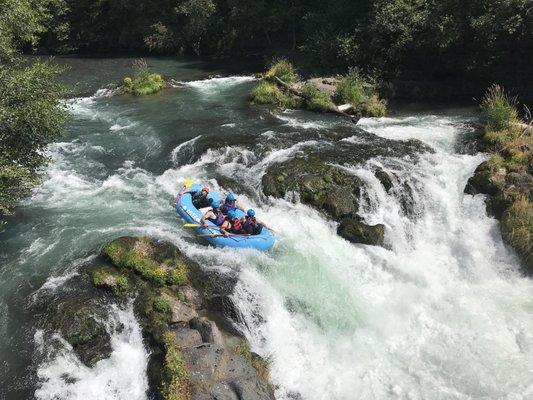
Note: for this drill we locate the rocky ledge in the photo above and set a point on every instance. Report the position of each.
(186, 314)
(321, 178)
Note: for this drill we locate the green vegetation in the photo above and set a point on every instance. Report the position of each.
(517, 228)
(282, 69)
(480, 40)
(31, 115)
(499, 109)
(179, 275)
(144, 82)
(107, 278)
(136, 255)
(161, 305)
(315, 99)
(260, 364)
(176, 384)
(360, 92)
(269, 93)
(514, 154)
(504, 133)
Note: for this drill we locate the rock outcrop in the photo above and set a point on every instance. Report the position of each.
(322, 179)
(192, 356)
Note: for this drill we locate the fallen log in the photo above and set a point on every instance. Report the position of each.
(332, 109)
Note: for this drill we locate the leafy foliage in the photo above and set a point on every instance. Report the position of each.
(30, 117)
(144, 82)
(360, 92)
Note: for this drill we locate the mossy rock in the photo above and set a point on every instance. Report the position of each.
(157, 262)
(81, 324)
(110, 279)
(517, 229)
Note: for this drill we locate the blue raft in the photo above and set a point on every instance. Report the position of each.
(184, 207)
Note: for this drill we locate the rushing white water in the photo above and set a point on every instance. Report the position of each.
(121, 376)
(441, 313)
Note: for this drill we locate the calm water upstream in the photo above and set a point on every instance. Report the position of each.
(442, 313)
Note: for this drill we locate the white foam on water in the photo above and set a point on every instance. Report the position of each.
(444, 314)
(122, 376)
(213, 85)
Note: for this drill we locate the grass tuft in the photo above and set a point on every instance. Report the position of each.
(360, 92)
(499, 109)
(284, 70)
(176, 383)
(269, 93)
(316, 99)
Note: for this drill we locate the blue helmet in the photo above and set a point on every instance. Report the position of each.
(232, 214)
(250, 213)
(215, 204)
(230, 197)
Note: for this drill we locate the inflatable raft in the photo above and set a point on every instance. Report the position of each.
(184, 207)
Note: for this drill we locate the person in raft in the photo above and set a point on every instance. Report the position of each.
(214, 215)
(230, 204)
(251, 225)
(199, 197)
(231, 224)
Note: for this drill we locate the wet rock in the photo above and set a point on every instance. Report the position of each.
(208, 330)
(358, 232)
(179, 311)
(187, 337)
(82, 324)
(192, 296)
(322, 175)
(384, 178)
(217, 373)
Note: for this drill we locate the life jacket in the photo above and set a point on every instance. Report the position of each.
(219, 218)
(199, 201)
(251, 226)
(236, 225)
(226, 207)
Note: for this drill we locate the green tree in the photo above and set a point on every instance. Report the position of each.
(31, 115)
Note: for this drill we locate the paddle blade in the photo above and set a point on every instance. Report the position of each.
(188, 182)
(191, 225)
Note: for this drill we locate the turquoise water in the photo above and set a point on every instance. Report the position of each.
(443, 312)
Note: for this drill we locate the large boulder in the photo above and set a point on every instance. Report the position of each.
(357, 232)
(218, 373)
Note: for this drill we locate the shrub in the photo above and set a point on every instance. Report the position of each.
(176, 384)
(374, 106)
(316, 99)
(282, 69)
(499, 109)
(144, 82)
(270, 93)
(351, 88)
(361, 94)
(517, 229)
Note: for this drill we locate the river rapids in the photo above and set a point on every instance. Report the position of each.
(442, 312)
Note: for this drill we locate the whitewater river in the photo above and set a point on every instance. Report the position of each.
(443, 312)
